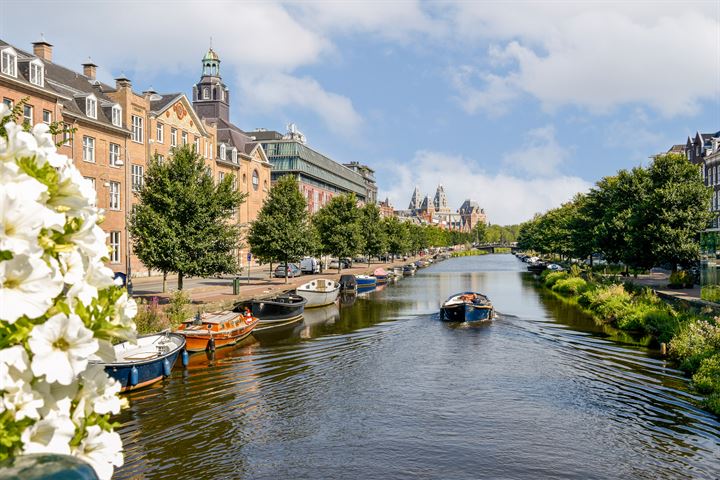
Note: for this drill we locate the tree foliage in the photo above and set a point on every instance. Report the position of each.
(183, 223)
(282, 230)
(338, 227)
(372, 229)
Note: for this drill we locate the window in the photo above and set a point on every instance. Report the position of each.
(184, 138)
(8, 59)
(117, 115)
(91, 106)
(137, 129)
(114, 195)
(89, 149)
(222, 151)
(173, 137)
(67, 134)
(114, 155)
(207, 149)
(160, 158)
(137, 177)
(234, 155)
(47, 116)
(160, 133)
(221, 176)
(115, 247)
(27, 114)
(8, 103)
(206, 93)
(197, 145)
(255, 180)
(37, 73)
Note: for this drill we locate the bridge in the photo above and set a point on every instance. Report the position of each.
(494, 247)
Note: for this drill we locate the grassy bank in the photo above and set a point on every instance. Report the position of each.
(693, 337)
(469, 253)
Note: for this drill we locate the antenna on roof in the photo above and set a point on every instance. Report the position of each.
(211, 41)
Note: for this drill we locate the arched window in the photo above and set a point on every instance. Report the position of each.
(255, 180)
(234, 155)
(206, 93)
(222, 151)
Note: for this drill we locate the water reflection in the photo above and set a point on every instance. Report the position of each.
(378, 387)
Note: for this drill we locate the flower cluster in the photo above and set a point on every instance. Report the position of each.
(58, 306)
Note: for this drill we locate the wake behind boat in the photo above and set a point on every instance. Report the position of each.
(467, 307)
(148, 361)
(319, 292)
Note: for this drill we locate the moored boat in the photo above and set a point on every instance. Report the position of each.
(276, 312)
(348, 283)
(467, 307)
(141, 364)
(409, 269)
(209, 331)
(319, 292)
(364, 281)
(380, 275)
(398, 271)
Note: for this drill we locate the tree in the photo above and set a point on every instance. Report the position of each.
(282, 229)
(397, 235)
(372, 229)
(338, 227)
(479, 232)
(417, 237)
(673, 212)
(183, 221)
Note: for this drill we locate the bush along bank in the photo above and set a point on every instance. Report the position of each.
(693, 337)
(469, 253)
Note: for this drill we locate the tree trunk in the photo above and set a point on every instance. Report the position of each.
(164, 288)
(368, 256)
(180, 280)
(287, 270)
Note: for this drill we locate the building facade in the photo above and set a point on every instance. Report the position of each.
(437, 212)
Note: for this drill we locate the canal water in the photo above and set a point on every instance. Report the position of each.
(379, 388)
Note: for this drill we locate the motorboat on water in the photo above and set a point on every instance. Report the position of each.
(319, 292)
(398, 271)
(380, 275)
(467, 307)
(140, 364)
(209, 331)
(348, 283)
(275, 312)
(409, 269)
(364, 281)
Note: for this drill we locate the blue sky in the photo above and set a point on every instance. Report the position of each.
(517, 105)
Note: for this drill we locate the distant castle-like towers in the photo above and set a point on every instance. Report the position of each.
(437, 212)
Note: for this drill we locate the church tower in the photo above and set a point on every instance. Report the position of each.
(211, 98)
(415, 200)
(440, 201)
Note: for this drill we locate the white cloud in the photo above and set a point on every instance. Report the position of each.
(507, 199)
(540, 154)
(281, 91)
(596, 55)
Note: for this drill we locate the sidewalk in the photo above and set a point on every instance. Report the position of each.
(217, 292)
(658, 281)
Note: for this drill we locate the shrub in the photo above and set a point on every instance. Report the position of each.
(570, 286)
(662, 323)
(177, 311)
(681, 279)
(552, 277)
(150, 318)
(707, 378)
(694, 342)
(711, 293)
(575, 270)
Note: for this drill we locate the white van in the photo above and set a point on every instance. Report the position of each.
(310, 265)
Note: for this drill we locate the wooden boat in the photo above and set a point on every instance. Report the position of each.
(148, 361)
(348, 283)
(398, 271)
(209, 331)
(380, 275)
(467, 307)
(319, 292)
(364, 281)
(277, 312)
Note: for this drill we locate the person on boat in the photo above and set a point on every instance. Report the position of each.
(248, 315)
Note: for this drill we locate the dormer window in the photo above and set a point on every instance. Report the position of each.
(8, 62)
(37, 73)
(91, 106)
(206, 93)
(117, 115)
(222, 151)
(234, 155)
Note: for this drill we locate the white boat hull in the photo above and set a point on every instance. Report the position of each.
(319, 293)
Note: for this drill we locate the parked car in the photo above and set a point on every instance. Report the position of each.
(335, 263)
(310, 265)
(291, 270)
(555, 267)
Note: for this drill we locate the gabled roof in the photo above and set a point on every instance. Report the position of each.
(159, 103)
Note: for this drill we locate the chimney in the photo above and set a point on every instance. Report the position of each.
(89, 69)
(43, 49)
(122, 82)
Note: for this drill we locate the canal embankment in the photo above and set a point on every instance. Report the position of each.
(689, 329)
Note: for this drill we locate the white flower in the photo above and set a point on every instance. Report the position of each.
(57, 398)
(100, 391)
(97, 275)
(51, 434)
(12, 175)
(14, 368)
(19, 144)
(4, 111)
(102, 450)
(28, 286)
(75, 192)
(23, 401)
(22, 218)
(61, 347)
(125, 310)
(72, 266)
(91, 238)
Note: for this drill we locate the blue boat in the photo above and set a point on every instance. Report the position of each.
(148, 361)
(467, 307)
(365, 281)
(366, 288)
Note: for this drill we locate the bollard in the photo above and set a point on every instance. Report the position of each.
(236, 286)
(663, 348)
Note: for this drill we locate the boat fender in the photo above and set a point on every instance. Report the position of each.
(166, 367)
(210, 345)
(185, 358)
(134, 376)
